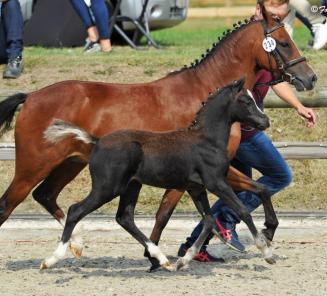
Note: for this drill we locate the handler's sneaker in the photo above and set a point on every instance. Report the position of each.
(228, 235)
(202, 256)
(320, 35)
(14, 68)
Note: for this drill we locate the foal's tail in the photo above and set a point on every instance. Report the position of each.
(8, 108)
(60, 130)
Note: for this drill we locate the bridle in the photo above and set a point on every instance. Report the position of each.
(282, 65)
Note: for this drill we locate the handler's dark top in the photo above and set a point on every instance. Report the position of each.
(259, 93)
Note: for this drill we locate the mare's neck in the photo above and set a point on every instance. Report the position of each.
(232, 59)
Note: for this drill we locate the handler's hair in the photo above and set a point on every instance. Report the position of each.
(277, 2)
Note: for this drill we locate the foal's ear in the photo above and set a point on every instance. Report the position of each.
(238, 85)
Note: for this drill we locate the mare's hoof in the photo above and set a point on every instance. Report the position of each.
(270, 260)
(76, 251)
(168, 266)
(43, 265)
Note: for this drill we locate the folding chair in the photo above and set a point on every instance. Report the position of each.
(140, 23)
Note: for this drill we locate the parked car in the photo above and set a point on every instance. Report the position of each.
(160, 13)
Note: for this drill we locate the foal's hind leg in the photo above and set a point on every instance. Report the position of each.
(76, 212)
(241, 182)
(200, 199)
(125, 217)
(47, 193)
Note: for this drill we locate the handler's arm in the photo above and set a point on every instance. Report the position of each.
(285, 92)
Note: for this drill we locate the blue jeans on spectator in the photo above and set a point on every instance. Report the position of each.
(100, 13)
(13, 24)
(259, 153)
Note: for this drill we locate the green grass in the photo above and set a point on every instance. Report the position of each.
(181, 45)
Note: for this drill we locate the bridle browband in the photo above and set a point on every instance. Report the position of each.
(282, 65)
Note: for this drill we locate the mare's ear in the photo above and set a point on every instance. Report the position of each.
(238, 85)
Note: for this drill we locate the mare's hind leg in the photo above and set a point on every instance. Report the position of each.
(200, 199)
(241, 182)
(24, 180)
(47, 193)
(125, 217)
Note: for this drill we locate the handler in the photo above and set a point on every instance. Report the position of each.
(12, 18)
(255, 151)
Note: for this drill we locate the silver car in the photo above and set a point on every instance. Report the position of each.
(160, 13)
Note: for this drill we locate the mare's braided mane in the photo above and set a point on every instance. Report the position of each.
(226, 35)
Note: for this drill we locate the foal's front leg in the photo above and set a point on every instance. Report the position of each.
(225, 192)
(200, 199)
(241, 182)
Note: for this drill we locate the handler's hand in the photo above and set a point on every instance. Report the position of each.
(309, 115)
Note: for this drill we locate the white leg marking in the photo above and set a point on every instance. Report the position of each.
(76, 239)
(183, 262)
(156, 253)
(58, 254)
(266, 251)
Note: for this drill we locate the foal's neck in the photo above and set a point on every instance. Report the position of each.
(214, 120)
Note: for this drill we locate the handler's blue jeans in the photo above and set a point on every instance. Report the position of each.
(100, 14)
(259, 153)
(12, 20)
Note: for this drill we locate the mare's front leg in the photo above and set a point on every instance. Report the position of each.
(167, 206)
(125, 218)
(200, 199)
(225, 192)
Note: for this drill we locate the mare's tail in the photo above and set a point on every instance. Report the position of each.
(8, 108)
(60, 130)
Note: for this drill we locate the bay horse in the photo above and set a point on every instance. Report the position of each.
(193, 158)
(161, 105)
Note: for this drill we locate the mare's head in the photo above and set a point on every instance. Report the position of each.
(244, 108)
(277, 52)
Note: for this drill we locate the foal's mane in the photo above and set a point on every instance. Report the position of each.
(196, 123)
(227, 35)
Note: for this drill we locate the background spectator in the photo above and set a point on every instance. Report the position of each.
(12, 20)
(96, 19)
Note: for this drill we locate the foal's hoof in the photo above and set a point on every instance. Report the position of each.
(154, 267)
(181, 264)
(270, 260)
(76, 250)
(43, 265)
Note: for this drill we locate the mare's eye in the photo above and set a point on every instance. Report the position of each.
(284, 44)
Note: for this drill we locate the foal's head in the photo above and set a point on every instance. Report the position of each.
(244, 108)
(277, 52)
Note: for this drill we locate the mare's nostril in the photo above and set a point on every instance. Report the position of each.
(314, 79)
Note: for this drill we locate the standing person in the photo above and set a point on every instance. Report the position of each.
(255, 151)
(95, 17)
(316, 20)
(12, 20)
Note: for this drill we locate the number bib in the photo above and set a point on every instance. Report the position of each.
(269, 44)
